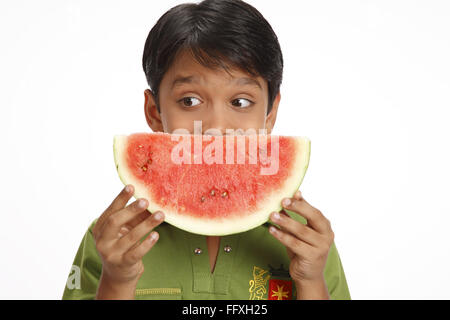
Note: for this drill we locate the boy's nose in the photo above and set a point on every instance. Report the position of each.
(216, 124)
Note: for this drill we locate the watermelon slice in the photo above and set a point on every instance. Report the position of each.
(212, 185)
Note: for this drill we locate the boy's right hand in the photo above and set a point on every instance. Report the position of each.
(117, 236)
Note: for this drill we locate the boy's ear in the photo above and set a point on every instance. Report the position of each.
(272, 116)
(152, 115)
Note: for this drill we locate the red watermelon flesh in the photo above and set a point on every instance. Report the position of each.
(212, 185)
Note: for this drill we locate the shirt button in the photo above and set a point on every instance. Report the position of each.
(198, 251)
(227, 249)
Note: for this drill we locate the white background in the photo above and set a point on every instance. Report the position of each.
(367, 81)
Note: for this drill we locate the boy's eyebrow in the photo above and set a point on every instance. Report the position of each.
(179, 80)
(248, 81)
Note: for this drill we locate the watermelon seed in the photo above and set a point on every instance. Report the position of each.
(203, 199)
(213, 192)
(140, 146)
(149, 161)
(144, 168)
(224, 194)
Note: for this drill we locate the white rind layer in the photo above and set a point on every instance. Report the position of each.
(228, 225)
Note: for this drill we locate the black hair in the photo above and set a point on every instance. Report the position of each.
(219, 33)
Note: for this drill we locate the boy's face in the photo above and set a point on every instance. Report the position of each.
(191, 92)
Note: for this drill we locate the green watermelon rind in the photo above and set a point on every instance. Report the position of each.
(218, 227)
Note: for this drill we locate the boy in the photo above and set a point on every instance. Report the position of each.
(219, 62)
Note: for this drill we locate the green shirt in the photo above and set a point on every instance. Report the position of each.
(250, 265)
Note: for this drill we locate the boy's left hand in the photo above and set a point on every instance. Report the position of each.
(307, 245)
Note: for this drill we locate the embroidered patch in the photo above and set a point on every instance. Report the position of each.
(280, 289)
(140, 292)
(272, 284)
(258, 284)
(280, 284)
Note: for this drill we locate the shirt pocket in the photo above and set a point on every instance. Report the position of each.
(172, 293)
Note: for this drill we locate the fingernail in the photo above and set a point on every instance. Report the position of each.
(142, 203)
(272, 229)
(158, 215)
(298, 194)
(286, 202)
(153, 236)
(128, 189)
(276, 216)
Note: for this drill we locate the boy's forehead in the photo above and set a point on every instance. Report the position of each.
(187, 70)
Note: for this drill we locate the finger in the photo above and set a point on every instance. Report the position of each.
(298, 195)
(118, 219)
(297, 246)
(133, 223)
(123, 231)
(118, 203)
(314, 217)
(297, 229)
(135, 235)
(122, 199)
(135, 254)
(137, 220)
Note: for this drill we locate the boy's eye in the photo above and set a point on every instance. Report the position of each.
(241, 103)
(189, 101)
(192, 102)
